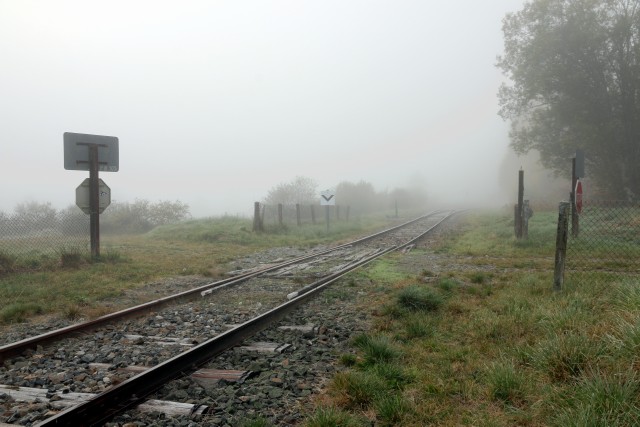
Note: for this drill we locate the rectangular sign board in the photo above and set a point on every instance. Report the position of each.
(76, 151)
(328, 198)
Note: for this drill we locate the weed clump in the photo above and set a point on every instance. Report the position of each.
(419, 298)
(7, 262)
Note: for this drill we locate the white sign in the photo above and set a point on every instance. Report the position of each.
(76, 151)
(328, 198)
(83, 196)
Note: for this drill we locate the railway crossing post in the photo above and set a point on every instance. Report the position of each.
(327, 198)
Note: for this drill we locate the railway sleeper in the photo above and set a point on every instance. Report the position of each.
(60, 400)
(205, 377)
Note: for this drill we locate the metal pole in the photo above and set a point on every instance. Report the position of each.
(561, 246)
(326, 212)
(94, 208)
(575, 219)
(519, 215)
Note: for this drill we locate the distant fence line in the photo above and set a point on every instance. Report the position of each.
(299, 215)
(602, 242)
(33, 234)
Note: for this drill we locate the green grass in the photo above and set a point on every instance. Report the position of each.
(492, 344)
(68, 284)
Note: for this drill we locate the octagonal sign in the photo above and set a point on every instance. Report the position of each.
(83, 196)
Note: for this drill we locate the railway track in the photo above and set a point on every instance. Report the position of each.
(121, 364)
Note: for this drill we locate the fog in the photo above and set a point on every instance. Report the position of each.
(216, 102)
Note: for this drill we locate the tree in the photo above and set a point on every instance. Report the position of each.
(35, 215)
(575, 72)
(301, 190)
(362, 197)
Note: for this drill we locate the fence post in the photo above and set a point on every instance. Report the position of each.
(561, 245)
(313, 214)
(298, 214)
(348, 210)
(257, 223)
(337, 212)
(280, 214)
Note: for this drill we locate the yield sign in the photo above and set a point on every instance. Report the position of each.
(328, 198)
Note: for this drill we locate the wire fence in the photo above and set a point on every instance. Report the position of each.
(604, 242)
(300, 215)
(36, 234)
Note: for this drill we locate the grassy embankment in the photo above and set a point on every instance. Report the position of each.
(488, 342)
(70, 285)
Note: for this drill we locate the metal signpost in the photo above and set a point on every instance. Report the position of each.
(93, 153)
(577, 172)
(578, 193)
(327, 198)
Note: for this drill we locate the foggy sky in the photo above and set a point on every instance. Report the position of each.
(216, 102)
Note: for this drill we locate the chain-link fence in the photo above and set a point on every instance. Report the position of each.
(34, 234)
(604, 242)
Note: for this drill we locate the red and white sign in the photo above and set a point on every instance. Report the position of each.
(578, 196)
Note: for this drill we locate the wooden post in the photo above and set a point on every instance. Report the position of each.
(313, 214)
(561, 245)
(257, 223)
(298, 220)
(280, 221)
(94, 201)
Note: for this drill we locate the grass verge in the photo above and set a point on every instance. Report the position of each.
(489, 343)
(69, 284)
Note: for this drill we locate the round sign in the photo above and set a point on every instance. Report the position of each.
(578, 196)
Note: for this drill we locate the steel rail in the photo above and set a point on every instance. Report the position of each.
(16, 348)
(134, 390)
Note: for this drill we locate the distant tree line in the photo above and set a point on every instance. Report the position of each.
(361, 197)
(137, 217)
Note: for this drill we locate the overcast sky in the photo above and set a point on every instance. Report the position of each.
(216, 102)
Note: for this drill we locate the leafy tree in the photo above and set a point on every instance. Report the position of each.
(361, 196)
(575, 72)
(301, 190)
(35, 216)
